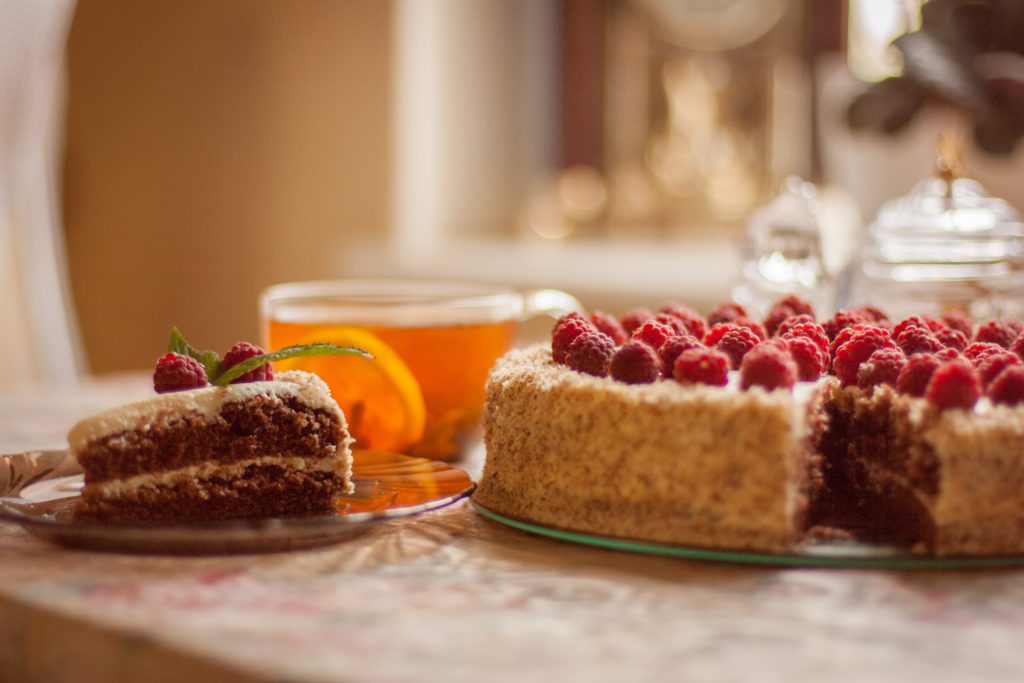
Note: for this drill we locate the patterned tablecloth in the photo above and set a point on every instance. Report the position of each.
(449, 596)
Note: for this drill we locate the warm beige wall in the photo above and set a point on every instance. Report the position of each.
(215, 147)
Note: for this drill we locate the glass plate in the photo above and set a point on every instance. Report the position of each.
(39, 490)
(834, 554)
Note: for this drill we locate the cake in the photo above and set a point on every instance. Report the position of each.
(247, 445)
(596, 435)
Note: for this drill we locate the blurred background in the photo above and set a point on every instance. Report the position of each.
(201, 150)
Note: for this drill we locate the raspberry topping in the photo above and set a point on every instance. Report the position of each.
(635, 318)
(977, 351)
(999, 332)
(691, 319)
(909, 322)
(677, 325)
(717, 331)
(993, 364)
(242, 351)
(873, 314)
(768, 366)
(671, 349)
(882, 367)
(952, 338)
(654, 333)
(799, 306)
(954, 385)
(177, 372)
(610, 325)
(591, 353)
(809, 358)
(789, 323)
(726, 313)
(1008, 387)
(752, 325)
(958, 321)
(810, 330)
(845, 335)
(635, 363)
(841, 320)
(918, 340)
(702, 366)
(735, 343)
(915, 375)
(862, 343)
(566, 330)
(776, 317)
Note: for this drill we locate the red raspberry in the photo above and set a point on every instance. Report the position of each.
(958, 321)
(736, 343)
(671, 349)
(882, 367)
(952, 339)
(999, 332)
(905, 324)
(873, 314)
(841, 320)
(789, 323)
(653, 333)
(1008, 387)
(575, 315)
(809, 358)
(635, 363)
(918, 340)
(1018, 345)
(609, 324)
(977, 351)
(566, 330)
(635, 318)
(691, 319)
(954, 385)
(858, 349)
(768, 366)
(777, 316)
(177, 372)
(752, 325)
(799, 306)
(591, 353)
(993, 364)
(241, 351)
(1015, 325)
(846, 334)
(716, 333)
(702, 366)
(677, 325)
(947, 354)
(915, 375)
(935, 324)
(726, 313)
(811, 330)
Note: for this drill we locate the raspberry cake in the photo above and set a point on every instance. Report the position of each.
(259, 446)
(725, 432)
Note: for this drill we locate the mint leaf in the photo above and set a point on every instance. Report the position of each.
(210, 360)
(296, 351)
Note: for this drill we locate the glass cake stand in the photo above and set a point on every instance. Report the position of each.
(39, 491)
(818, 554)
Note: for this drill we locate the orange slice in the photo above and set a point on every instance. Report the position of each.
(381, 398)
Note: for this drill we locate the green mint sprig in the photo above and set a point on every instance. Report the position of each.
(217, 375)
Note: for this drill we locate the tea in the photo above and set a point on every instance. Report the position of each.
(423, 393)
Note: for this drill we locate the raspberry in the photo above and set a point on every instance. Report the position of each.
(905, 324)
(677, 325)
(752, 325)
(993, 364)
(999, 332)
(242, 351)
(566, 330)
(716, 332)
(701, 366)
(633, 319)
(736, 343)
(841, 320)
(947, 354)
(671, 349)
(809, 358)
(610, 325)
(845, 335)
(958, 321)
(566, 318)
(976, 351)
(1018, 345)
(777, 316)
(789, 323)
(873, 314)
(635, 363)
(882, 367)
(952, 338)
(935, 324)
(799, 306)
(653, 333)
(954, 385)
(691, 319)
(858, 349)
(591, 353)
(918, 340)
(768, 366)
(1008, 387)
(176, 372)
(726, 313)
(915, 375)
(810, 330)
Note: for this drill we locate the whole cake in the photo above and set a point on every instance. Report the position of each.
(259, 446)
(727, 432)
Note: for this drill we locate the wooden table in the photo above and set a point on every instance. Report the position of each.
(449, 596)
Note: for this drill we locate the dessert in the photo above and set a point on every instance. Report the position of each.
(853, 427)
(223, 439)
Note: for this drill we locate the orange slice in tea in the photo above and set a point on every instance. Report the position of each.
(380, 397)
